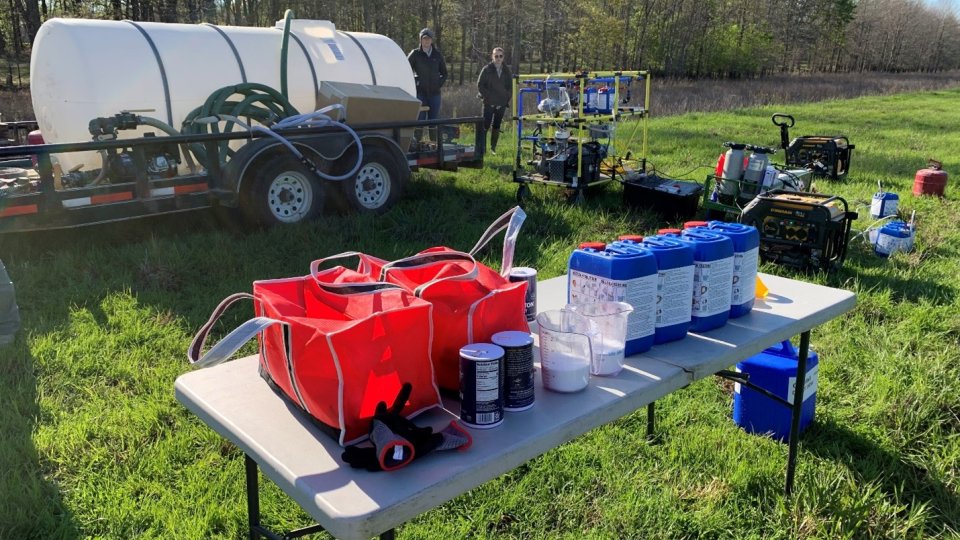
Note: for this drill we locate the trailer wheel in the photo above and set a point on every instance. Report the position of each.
(282, 191)
(378, 184)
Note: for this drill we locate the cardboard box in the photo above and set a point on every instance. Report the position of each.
(369, 104)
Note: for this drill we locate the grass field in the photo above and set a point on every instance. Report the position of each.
(94, 445)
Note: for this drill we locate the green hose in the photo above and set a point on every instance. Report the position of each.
(255, 102)
(287, 16)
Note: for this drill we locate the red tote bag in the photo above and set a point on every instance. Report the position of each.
(335, 343)
(471, 301)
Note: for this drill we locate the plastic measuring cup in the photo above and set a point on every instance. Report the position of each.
(609, 340)
(565, 349)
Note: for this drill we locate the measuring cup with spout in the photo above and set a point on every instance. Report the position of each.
(565, 349)
(610, 337)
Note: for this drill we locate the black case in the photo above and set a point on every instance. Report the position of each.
(671, 199)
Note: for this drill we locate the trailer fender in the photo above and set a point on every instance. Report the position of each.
(322, 151)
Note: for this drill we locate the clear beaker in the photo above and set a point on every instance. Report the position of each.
(565, 350)
(609, 341)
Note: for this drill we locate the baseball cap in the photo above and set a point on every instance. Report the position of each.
(426, 32)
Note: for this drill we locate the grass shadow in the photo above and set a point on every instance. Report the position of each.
(31, 503)
(874, 464)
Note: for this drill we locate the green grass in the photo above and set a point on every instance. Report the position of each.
(93, 443)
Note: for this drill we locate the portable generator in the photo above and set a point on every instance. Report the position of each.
(827, 156)
(802, 230)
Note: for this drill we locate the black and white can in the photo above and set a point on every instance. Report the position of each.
(523, 273)
(518, 369)
(481, 385)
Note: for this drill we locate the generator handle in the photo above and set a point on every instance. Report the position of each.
(785, 122)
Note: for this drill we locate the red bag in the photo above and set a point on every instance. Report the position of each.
(335, 343)
(471, 301)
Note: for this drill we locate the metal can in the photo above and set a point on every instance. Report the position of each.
(481, 385)
(518, 369)
(523, 273)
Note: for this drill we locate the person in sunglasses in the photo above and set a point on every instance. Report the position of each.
(495, 85)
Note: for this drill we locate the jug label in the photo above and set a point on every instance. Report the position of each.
(673, 296)
(744, 276)
(640, 293)
(883, 207)
(809, 384)
(711, 287)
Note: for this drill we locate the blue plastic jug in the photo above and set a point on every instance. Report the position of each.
(674, 286)
(619, 274)
(775, 369)
(712, 278)
(746, 259)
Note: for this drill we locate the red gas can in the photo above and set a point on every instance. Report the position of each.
(34, 137)
(930, 181)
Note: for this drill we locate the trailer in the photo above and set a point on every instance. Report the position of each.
(255, 172)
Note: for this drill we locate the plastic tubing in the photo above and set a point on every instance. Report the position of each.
(287, 16)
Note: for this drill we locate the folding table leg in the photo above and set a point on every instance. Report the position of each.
(796, 410)
(650, 420)
(253, 497)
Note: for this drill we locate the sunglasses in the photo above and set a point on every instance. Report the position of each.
(498, 56)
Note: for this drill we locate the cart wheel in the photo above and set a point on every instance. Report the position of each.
(377, 185)
(523, 193)
(576, 197)
(281, 190)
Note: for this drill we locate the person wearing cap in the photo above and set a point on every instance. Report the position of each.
(430, 72)
(495, 85)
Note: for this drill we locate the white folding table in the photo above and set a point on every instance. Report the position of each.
(351, 504)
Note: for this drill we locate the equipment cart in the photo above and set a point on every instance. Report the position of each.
(568, 139)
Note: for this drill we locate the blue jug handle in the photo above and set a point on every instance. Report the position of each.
(784, 349)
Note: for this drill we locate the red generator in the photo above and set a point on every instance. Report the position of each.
(930, 181)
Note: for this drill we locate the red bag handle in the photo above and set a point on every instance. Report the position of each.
(349, 288)
(511, 220)
(434, 257)
(226, 347)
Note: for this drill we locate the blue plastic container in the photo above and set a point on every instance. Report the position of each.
(674, 286)
(746, 259)
(775, 369)
(893, 237)
(884, 204)
(712, 278)
(622, 273)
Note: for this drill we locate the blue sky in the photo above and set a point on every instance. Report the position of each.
(953, 4)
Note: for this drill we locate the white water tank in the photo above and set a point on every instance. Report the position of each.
(82, 69)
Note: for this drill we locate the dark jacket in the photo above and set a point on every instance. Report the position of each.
(430, 71)
(495, 91)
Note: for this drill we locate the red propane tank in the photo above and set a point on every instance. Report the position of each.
(930, 181)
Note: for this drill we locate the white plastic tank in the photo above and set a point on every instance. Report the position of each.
(82, 69)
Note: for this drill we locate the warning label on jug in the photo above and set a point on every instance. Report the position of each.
(640, 293)
(809, 384)
(711, 287)
(673, 296)
(744, 276)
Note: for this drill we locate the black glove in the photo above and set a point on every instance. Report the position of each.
(397, 441)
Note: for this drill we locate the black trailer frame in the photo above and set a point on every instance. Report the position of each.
(50, 208)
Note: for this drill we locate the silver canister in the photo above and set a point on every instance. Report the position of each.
(518, 368)
(523, 273)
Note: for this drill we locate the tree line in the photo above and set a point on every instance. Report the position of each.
(694, 38)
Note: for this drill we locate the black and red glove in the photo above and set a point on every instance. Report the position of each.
(396, 441)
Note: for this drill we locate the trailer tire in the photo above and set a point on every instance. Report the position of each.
(281, 190)
(378, 184)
